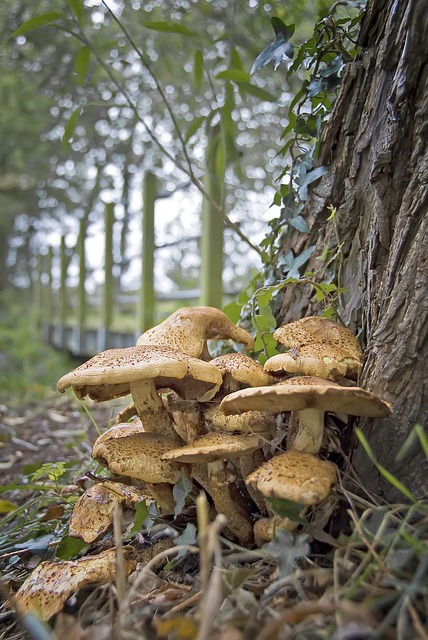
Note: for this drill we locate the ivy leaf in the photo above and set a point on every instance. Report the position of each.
(170, 27)
(276, 52)
(81, 63)
(286, 509)
(233, 311)
(287, 549)
(299, 223)
(38, 21)
(309, 178)
(280, 28)
(181, 490)
(141, 515)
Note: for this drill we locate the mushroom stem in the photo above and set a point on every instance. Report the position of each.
(308, 433)
(238, 521)
(150, 409)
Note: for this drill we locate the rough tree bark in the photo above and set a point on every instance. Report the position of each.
(376, 145)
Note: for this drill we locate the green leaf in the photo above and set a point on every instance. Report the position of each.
(71, 124)
(276, 52)
(141, 515)
(286, 509)
(299, 223)
(170, 27)
(6, 506)
(236, 75)
(233, 311)
(280, 28)
(258, 92)
(81, 63)
(38, 21)
(181, 490)
(69, 547)
(198, 68)
(236, 60)
(77, 8)
(193, 127)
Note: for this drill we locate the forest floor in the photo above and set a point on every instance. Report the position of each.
(357, 568)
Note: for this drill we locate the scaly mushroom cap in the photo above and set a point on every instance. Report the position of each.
(109, 374)
(137, 455)
(216, 446)
(239, 370)
(296, 396)
(188, 329)
(294, 475)
(317, 346)
(248, 422)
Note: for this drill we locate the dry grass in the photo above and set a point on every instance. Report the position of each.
(357, 569)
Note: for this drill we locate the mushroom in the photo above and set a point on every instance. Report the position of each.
(141, 370)
(188, 329)
(131, 452)
(316, 347)
(212, 449)
(310, 397)
(297, 476)
(239, 371)
(265, 528)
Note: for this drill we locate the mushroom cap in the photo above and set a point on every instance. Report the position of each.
(317, 346)
(295, 396)
(248, 422)
(137, 455)
(187, 330)
(109, 374)
(294, 475)
(242, 369)
(216, 446)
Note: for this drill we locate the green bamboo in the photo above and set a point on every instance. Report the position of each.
(146, 303)
(108, 298)
(211, 246)
(38, 290)
(48, 306)
(63, 283)
(81, 291)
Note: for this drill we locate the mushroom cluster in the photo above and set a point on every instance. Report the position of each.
(212, 420)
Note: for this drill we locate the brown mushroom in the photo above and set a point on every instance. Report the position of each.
(188, 329)
(296, 476)
(136, 454)
(311, 397)
(316, 347)
(239, 371)
(141, 370)
(212, 449)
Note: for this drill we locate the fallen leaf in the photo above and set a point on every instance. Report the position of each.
(51, 584)
(167, 594)
(177, 628)
(92, 513)
(6, 506)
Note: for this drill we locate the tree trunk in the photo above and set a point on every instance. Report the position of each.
(376, 146)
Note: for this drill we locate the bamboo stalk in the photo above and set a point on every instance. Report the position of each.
(108, 296)
(146, 307)
(211, 245)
